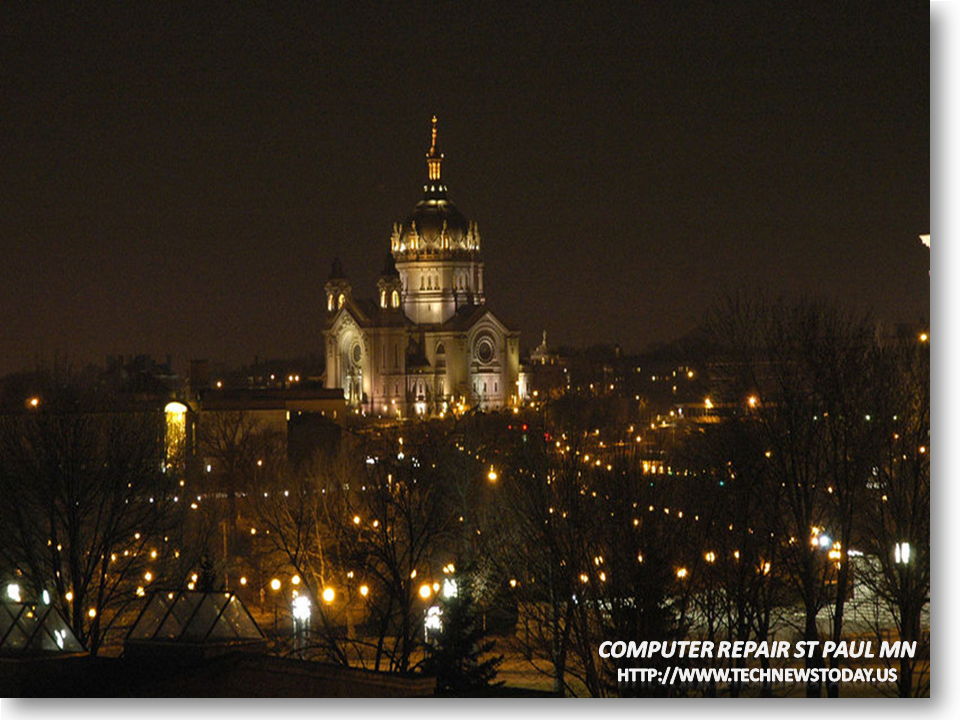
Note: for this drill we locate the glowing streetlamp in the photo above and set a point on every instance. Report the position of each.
(449, 588)
(328, 595)
(425, 591)
(901, 553)
(301, 608)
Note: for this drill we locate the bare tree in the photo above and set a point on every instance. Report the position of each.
(897, 524)
(372, 533)
(236, 444)
(802, 373)
(590, 558)
(86, 512)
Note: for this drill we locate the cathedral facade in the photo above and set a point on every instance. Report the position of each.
(427, 344)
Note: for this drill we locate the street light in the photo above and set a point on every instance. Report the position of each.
(449, 588)
(301, 608)
(328, 595)
(425, 591)
(901, 553)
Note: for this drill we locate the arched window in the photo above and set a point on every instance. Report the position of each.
(383, 298)
(330, 303)
(341, 300)
(395, 299)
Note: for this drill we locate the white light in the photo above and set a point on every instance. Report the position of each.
(825, 541)
(13, 592)
(301, 608)
(449, 588)
(432, 621)
(46, 597)
(901, 552)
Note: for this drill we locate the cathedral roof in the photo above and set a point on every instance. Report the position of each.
(367, 313)
(435, 226)
(467, 316)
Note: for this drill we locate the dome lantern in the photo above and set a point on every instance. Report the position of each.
(434, 156)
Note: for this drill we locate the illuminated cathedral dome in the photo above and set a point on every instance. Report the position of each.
(435, 226)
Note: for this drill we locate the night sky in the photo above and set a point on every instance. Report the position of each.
(178, 180)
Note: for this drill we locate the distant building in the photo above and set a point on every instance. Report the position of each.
(545, 375)
(428, 343)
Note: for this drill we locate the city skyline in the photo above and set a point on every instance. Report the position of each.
(180, 183)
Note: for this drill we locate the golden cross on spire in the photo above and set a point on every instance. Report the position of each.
(433, 135)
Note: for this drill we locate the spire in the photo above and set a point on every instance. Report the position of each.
(434, 156)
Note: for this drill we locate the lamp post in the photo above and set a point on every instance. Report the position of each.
(300, 611)
(275, 586)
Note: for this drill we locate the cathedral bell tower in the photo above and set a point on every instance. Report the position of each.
(389, 285)
(337, 287)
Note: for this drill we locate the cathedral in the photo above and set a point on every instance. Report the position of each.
(427, 344)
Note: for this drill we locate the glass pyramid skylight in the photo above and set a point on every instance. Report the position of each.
(195, 617)
(28, 629)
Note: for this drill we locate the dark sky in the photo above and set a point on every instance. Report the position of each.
(178, 180)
